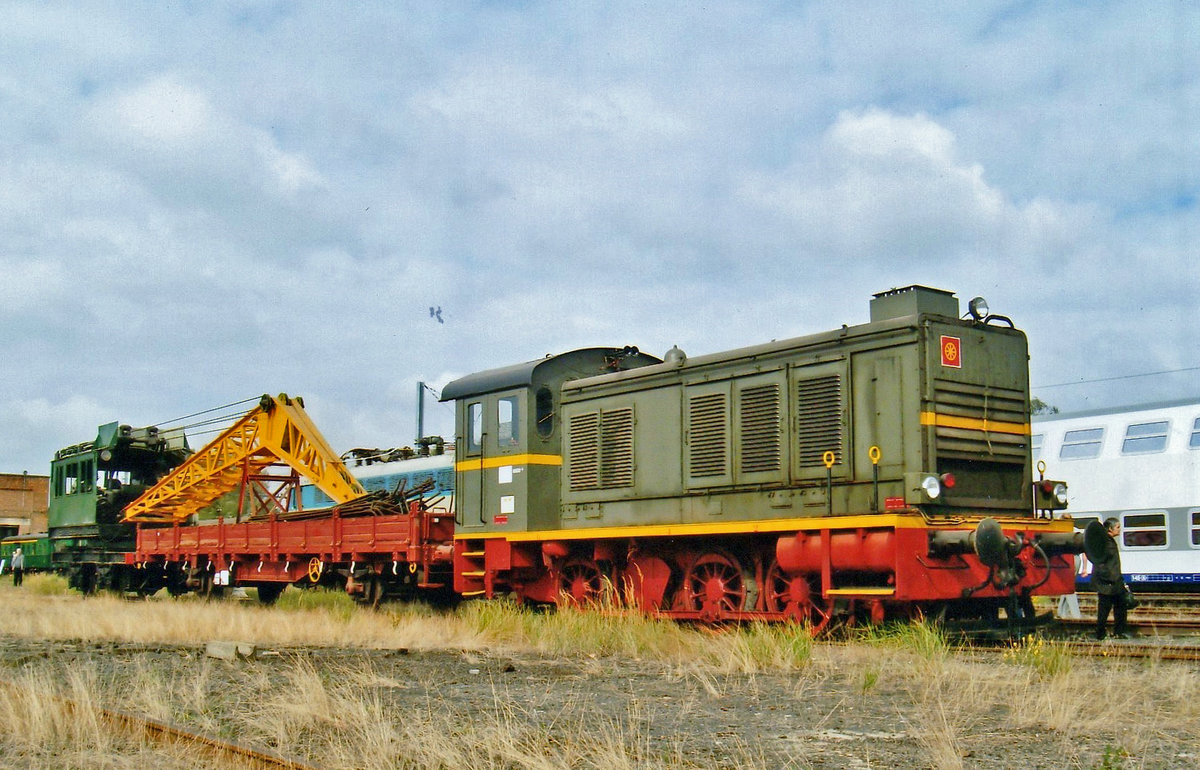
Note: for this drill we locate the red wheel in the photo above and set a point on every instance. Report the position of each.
(580, 581)
(716, 585)
(796, 597)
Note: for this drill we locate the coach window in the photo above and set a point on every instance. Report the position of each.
(72, 478)
(1195, 516)
(1144, 530)
(1144, 438)
(87, 475)
(474, 426)
(1081, 444)
(508, 420)
(545, 412)
(1036, 443)
(1194, 443)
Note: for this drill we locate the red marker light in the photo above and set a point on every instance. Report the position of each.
(948, 480)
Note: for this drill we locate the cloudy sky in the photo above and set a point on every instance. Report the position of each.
(201, 202)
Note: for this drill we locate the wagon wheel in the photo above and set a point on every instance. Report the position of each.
(269, 592)
(176, 582)
(716, 584)
(208, 587)
(580, 581)
(796, 598)
(372, 591)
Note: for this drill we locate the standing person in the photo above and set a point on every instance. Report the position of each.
(1108, 580)
(18, 567)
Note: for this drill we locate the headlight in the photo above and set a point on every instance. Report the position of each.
(978, 308)
(1060, 493)
(932, 487)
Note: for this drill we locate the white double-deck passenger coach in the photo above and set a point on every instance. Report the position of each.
(1140, 465)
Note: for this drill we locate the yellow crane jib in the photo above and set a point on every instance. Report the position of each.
(277, 431)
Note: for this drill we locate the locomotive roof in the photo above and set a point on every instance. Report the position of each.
(833, 338)
(584, 362)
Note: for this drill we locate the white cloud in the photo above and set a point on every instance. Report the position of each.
(172, 130)
(885, 184)
(165, 113)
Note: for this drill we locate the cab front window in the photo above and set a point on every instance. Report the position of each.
(508, 433)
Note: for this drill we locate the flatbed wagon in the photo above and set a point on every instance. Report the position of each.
(377, 550)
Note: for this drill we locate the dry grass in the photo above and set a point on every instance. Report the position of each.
(323, 618)
(946, 708)
(52, 721)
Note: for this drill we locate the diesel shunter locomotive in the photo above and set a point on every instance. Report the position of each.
(875, 470)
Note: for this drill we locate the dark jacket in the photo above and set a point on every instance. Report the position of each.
(1106, 571)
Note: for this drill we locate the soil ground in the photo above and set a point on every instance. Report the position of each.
(832, 716)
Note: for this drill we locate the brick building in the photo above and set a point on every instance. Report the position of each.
(24, 500)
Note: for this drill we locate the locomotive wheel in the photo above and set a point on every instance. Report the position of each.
(716, 584)
(580, 581)
(795, 597)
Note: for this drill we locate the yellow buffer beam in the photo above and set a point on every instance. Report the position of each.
(276, 431)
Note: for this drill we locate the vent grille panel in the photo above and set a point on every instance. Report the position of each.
(958, 399)
(616, 449)
(707, 437)
(819, 420)
(760, 432)
(602, 450)
(584, 444)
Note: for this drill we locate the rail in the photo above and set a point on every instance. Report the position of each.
(222, 751)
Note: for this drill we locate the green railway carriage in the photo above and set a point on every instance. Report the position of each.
(772, 480)
(90, 484)
(35, 547)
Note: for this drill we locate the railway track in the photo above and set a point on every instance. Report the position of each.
(1135, 649)
(226, 753)
(1157, 612)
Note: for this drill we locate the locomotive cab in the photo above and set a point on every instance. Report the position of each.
(508, 457)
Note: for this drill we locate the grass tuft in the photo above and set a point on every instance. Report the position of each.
(1048, 658)
(337, 603)
(921, 637)
(46, 584)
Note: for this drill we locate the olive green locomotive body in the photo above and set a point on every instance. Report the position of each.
(849, 421)
(883, 466)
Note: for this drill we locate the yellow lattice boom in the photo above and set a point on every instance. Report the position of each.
(277, 431)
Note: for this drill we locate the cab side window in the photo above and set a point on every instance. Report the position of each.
(545, 412)
(474, 426)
